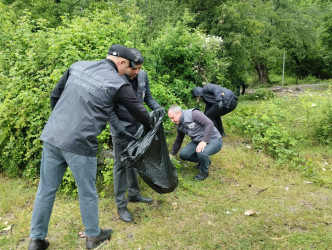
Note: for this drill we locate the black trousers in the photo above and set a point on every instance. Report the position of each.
(215, 113)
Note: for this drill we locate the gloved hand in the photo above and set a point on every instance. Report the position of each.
(220, 104)
(147, 129)
(126, 135)
(162, 111)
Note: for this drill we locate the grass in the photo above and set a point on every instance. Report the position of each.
(291, 210)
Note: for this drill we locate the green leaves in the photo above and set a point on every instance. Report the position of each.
(33, 58)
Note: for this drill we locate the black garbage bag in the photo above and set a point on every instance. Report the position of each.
(149, 153)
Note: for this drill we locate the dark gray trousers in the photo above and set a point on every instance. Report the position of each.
(123, 178)
(215, 113)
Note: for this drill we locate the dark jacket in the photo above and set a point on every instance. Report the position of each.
(82, 102)
(121, 119)
(213, 93)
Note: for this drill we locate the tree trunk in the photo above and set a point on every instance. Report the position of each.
(263, 76)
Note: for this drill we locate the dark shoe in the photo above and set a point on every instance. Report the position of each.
(201, 176)
(124, 214)
(197, 165)
(92, 242)
(36, 244)
(140, 198)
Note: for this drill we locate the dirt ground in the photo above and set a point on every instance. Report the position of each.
(295, 89)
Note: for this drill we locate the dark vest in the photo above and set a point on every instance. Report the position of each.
(193, 129)
(84, 107)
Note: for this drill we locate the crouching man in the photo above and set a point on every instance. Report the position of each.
(205, 138)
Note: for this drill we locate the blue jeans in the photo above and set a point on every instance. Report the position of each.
(53, 166)
(188, 153)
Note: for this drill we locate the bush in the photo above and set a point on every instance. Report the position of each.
(33, 58)
(323, 129)
(259, 94)
(263, 124)
(187, 56)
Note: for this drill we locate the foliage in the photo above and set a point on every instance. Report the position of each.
(323, 130)
(187, 56)
(268, 134)
(105, 175)
(264, 125)
(257, 33)
(185, 43)
(259, 94)
(68, 185)
(323, 127)
(34, 57)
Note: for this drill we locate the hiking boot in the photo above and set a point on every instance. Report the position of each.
(201, 176)
(92, 242)
(36, 244)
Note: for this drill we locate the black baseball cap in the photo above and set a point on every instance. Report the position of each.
(124, 52)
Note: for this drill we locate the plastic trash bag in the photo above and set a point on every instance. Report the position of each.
(149, 153)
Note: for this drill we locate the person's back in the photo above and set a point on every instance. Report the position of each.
(219, 101)
(213, 93)
(84, 107)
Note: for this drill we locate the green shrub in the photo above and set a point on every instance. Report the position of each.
(268, 134)
(187, 56)
(323, 129)
(259, 94)
(33, 58)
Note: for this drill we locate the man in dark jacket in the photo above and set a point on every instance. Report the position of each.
(205, 138)
(81, 103)
(219, 101)
(123, 126)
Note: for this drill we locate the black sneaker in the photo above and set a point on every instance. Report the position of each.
(36, 244)
(92, 242)
(201, 176)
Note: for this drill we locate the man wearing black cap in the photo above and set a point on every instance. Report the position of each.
(81, 102)
(123, 126)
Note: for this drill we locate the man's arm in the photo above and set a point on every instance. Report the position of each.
(127, 97)
(56, 92)
(177, 143)
(202, 119)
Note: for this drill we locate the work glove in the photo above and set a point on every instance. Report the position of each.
(126, 135)
(147, 129)
(220, 104)
(162, 111)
